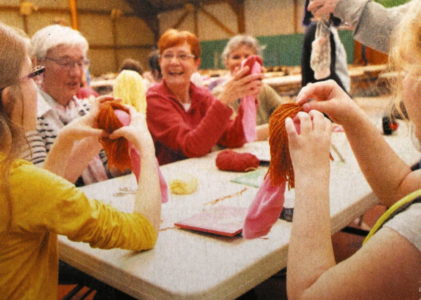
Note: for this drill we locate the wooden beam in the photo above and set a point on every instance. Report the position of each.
(108, 47)
(73, 14)
(237, 7)
(217, 22)
(196, 21)
(295, 14)
(64, 10)
(181, 19)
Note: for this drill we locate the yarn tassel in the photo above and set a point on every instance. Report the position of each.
(269, 201)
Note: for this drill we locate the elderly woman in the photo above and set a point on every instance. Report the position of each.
(186, 120)
(238, 49)
(63, 52)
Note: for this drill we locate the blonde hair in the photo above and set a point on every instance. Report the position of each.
(405, 51)
(13, 52)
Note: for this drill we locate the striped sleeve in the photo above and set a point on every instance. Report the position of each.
(34, 149)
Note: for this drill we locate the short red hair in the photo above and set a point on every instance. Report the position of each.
(174, 37)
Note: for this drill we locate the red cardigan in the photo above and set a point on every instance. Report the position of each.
(179, 134)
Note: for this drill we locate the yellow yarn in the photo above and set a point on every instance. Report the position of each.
(184, 186)
(129, 87)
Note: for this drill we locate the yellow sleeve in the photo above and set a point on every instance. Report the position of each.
(43, 201)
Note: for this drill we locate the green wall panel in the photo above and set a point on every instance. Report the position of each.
(280, 50)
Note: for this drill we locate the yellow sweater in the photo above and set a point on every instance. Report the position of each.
(42, 205)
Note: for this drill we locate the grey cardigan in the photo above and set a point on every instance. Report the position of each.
(372, 23)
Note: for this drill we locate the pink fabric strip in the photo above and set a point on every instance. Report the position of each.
(264, 210)
(135, 159)
(249, 103)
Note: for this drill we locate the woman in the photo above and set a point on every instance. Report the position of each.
(388, 266)
(33, 213)
(63, 51)
(186, 120)
(238, 49)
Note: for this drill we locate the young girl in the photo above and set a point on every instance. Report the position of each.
(36, 205)
(388, 266)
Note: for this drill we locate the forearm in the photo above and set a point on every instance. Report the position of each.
(381, 166)
(371, 21)
(57, 159)
(310, 252)
(148, 196)
(80, 156)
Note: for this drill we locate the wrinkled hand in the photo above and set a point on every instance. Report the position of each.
(136, 132)
(322, 8)
(241, 85)
(329, 98)
(309, 148)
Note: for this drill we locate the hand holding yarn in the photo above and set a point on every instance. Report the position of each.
(123, 124)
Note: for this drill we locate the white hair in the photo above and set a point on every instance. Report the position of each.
(53, 36)
(240, 40)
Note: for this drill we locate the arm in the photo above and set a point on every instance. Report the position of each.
(372, 22)
(310, 250)
(74, 147)
(167, 123)
(312, 272)
(389, 176)
(58, 206)
(148, 196)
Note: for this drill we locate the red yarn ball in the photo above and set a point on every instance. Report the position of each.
(229, 160)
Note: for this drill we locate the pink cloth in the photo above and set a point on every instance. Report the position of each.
(264, 210)
(135, 158)
(249, 103)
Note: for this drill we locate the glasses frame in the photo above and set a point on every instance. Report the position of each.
(179, 57)
(38, 70)
(71, 64)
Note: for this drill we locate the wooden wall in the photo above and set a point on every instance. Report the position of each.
(110, 26)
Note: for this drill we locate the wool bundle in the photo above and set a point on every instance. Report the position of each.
(111, 116)
(229, 160)
(280, 168)
(129, 87)
(268, 203)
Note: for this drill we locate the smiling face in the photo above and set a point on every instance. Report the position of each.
(236, 56)
(62, 82)
(177, 65)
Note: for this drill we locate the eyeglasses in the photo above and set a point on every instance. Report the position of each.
(69, 63)
(38, 70)
(180, 56)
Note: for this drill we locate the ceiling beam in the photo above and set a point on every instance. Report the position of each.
(149, 13)
(238, 8)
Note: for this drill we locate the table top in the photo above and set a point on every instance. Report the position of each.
(191, 265)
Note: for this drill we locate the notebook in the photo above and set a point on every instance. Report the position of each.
(219, 220)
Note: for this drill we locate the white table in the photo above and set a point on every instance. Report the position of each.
(189, 265)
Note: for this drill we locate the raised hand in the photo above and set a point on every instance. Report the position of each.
(329, 98)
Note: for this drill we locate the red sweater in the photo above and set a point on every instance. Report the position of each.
(179, 134)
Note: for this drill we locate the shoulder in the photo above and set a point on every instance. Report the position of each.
(408, 224)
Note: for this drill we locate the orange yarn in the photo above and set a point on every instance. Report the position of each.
(280, 168)
(117, 150)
